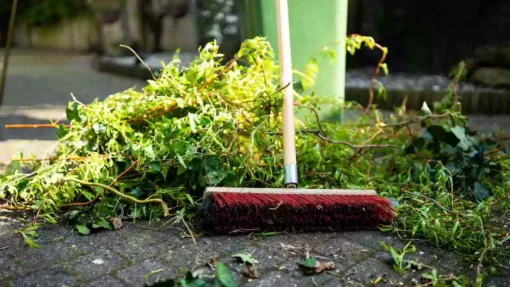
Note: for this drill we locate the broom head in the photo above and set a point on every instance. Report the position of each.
(232, 210)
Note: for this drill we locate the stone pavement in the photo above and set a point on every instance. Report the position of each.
(38, 89)
(138, 255)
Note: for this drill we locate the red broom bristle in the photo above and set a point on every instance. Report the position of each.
(226, 212)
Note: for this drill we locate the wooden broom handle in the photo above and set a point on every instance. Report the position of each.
(282, 17)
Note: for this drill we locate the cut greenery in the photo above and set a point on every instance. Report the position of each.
(149, 154)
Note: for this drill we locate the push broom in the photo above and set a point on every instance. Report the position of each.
(225, 209)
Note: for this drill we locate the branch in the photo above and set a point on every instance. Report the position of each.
(139, 59)
(419, 120)
(97, 196)
(76, 158)
(319, 124)
(377, 70)
(353, 146)
(6, 207)
(35, 126)
(164, 207)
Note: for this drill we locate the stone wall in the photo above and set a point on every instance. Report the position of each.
(76, 35)
(88, 33)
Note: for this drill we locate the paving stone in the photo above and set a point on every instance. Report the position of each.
(344, 252)
(497, 282)
(369, 270)
(280, 248)
(187, 255)
(52, 276)
(7, 224)
(138, 274)
(277, 278)
(9, 267)
(372, 239)
(141, 246)
(103, 239)
(339, 282)
(95, 264)
(50, 233)
(47, 255)
(299, 240)
(105, 280)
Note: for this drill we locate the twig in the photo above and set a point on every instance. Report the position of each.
(139, 59)
(99, 194)
(428, 198)
(353, 146)
(227, 68)
(6, 207)
(130, 198)
(151, 273)
(418, 120)
(123, 173)
(77, 158)
(319, 124)
(484, 250)
(189, 230)
(500, 199)
(36, 216)
(376, 73)
(243, 230)
(35, 126)
(276, 207)
(454, 82)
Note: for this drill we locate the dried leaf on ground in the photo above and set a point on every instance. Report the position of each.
(250, 271)
(314, 266)
(212, 264)
(116, 222)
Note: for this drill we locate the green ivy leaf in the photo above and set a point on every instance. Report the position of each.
(460, 133)
(136, 192)
(481, 193)
(82, 229)
(308, 263)
(61, 131)
(384, 67)
(88, 195)
(441, 135)
(164, 171)
(298, 87)
(72, 113)
(223, 276)
(246, 258)
(425, 109)
(13, 167)
(99, 128)
(102, 223)
(154, 166)
(190, 281)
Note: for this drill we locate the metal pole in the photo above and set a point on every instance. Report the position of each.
(7, 49)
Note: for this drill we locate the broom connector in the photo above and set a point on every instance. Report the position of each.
(291, 176)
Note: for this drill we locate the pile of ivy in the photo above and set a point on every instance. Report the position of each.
(149, 154)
